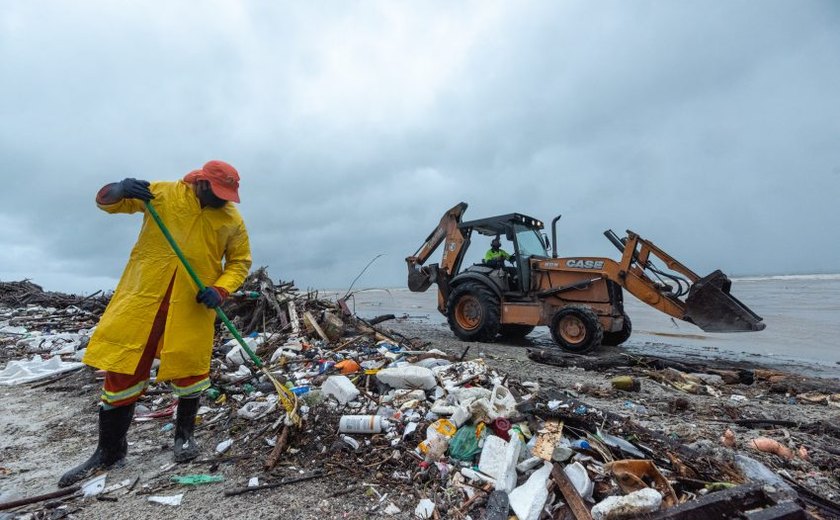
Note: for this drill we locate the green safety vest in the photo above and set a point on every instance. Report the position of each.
(493, 255)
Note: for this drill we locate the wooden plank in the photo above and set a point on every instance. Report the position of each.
(721, 504)
(311, 320)
(784, 511)
(570, 494)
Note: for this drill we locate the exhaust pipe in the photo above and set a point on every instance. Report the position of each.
(554, 236)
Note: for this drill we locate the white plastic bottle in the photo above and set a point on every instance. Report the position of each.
(360, 424)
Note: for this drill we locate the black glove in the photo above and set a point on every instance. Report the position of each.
(512, 259)
(210, 296)
(135, 189)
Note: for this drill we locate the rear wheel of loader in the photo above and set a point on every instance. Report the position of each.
(515, 330)
(612, 339)
(473, 312)
(576, 329)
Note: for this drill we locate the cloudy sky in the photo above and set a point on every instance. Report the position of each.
(712, 128)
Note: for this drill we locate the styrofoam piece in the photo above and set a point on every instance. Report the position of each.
(466, 395)
(407, 376)
(492, 457)
(94, 486)
(580, 479)
(480, 410)
(528, 500)
(460, 416)
(341, 388)
(528, 464)
(168, 500)
(645, 500)
(440, 407)
(502, 402)
(476, 476)
(506, 480)
(425, 508)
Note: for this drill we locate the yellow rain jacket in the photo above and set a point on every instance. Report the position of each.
(205, 236)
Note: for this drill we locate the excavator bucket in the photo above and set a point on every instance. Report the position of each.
(710, 306)
(421, 278)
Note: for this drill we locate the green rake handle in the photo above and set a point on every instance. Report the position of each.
(231, 327)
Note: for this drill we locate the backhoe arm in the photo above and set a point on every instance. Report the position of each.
(705, 301)
(421, 278)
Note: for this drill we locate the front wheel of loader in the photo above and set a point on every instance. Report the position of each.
(613, 339)
(576, 329)
(473, 312)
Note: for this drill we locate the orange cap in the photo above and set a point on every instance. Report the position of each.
(223, 178)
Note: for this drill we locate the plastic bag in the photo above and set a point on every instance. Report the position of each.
(465, 444)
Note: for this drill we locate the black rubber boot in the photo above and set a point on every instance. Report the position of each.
(185, 446)
(111, 448)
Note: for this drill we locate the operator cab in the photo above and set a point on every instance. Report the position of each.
(524, 232)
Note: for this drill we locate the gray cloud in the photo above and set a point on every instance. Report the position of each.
(708, 128)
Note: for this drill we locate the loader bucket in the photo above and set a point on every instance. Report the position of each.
(420, 279)
(710, 306)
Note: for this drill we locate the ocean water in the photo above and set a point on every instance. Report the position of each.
(802, 313)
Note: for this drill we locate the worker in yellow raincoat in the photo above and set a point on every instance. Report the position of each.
(155, 311)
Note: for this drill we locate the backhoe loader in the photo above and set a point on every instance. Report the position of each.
(580, 299)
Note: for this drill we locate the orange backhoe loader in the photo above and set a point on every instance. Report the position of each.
(579, 298)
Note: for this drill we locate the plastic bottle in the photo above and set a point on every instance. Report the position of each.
(438, 435)
(580, 444)
(360, 424)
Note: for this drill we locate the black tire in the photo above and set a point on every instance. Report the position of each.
(613, 339)
(515, 330)
(576, 329)
(473, 312)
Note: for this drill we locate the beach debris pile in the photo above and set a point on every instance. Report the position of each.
(428, 434)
